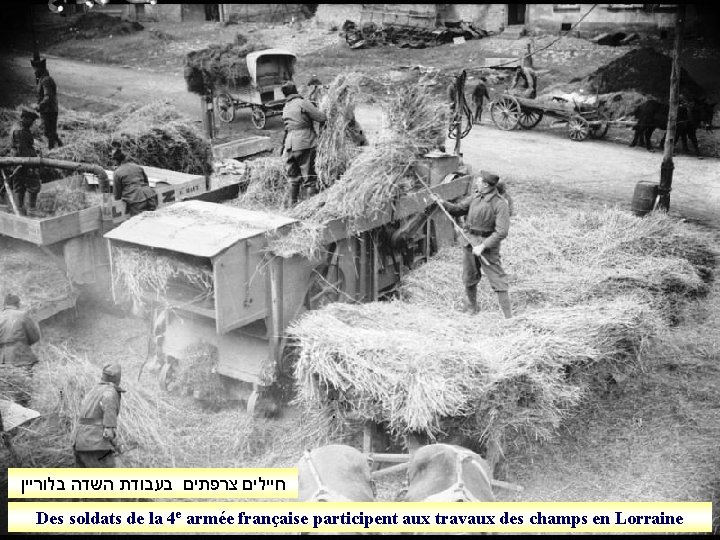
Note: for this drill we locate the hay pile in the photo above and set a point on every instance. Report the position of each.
(15, 383)
(60, 382)
(26, 271)
(139, 273)
(267, 185)
(615, 105)
(218, 66)
(66, 196)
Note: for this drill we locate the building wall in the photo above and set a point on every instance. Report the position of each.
(337, 14)
(262, 12)
(490, 17)
(405, 14)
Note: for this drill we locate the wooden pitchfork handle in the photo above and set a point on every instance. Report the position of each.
(10, 194)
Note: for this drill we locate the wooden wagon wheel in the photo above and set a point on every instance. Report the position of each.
(225, 107)
(599, 130)
(578, 128)
(530, 118)
(505, 113)
(258, 117)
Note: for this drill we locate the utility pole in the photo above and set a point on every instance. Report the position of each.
(667, 167)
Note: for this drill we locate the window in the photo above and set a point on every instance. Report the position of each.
(566, 7)
(625, 7)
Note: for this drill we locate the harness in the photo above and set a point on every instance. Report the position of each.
(458, 491)
(324, 494)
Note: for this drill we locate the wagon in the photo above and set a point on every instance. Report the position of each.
(508, 112)
(268, 70)
(257, 294)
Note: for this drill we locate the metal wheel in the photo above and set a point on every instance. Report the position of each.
(225, 107)
(600, 129)
(327, 283)
(258, 117)
(168, 373)
(578, 128)
(505, 113)
(530, 118)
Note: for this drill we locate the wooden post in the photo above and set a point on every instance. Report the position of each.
(206, 104)
(667, 167)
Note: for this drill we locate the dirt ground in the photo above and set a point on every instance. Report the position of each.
(654, 439)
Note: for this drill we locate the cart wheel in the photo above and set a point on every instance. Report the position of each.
(529, 119)
(225, 107)
(258, 117)
(578, 128)
(327, 283)
(599, 130)
(506, 113)
(168, 373)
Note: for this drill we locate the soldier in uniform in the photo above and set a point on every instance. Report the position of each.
(487, 223)
(47, 103)
(18, 332)
(95, 438)
(300, 140)
(131, 184)
(479, 95)
(23, 145)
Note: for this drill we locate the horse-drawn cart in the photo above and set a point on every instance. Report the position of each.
(508, 112)
(268, 70)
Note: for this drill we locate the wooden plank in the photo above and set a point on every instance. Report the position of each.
(275, 306)
(20, 227)
(242, 148)
(218, 195)
(60, 228)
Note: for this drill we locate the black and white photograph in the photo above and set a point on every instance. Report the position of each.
(421, 252)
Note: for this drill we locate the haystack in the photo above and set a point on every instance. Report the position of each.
(420, 370)
(218, 66)
(266, 185)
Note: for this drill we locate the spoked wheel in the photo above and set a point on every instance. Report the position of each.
(168, 373)
(529, 119)
(599, 129)
(225, 107)
(327, 285)
(505, 113)
(578, 128)
(259, 117)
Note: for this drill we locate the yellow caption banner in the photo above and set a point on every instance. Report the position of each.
(152, 483)
(294, 517)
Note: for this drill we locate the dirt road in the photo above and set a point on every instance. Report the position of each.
(600, 168)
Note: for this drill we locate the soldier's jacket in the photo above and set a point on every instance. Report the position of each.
(47, 95)
(487, 214)
(298, 116)
(131, 184)
(17, 333)
(99, 410)
(23, 142)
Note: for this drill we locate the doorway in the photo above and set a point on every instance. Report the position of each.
(516, 14)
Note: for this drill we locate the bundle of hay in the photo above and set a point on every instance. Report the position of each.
(15, 383)
(335, 148)
(60, 382)
(376, 361)
(66, 196)
(266, 185)
(218, 66)
(140, 272)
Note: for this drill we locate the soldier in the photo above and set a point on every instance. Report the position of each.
(18, 332)
(47, 104)
(488, 221)
(95, 438)
(131, 184)
(23, 145)
(300, 140)
(480, 93)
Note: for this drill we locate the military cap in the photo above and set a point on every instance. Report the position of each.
(11, 300)
(314, 81)
(289, 88)
(29, 114)
(489, 178)
(112, 373)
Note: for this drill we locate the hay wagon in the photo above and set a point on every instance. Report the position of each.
(508, 112)
(255, 294)
(268, 70)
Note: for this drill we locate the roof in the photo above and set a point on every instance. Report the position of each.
(197, 228)
(252, 59)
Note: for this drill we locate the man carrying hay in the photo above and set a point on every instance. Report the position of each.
(131, 184)
(524, 83)
(47, 104)
(18, 332)
(23, 145)
(95, 438)
(300, 141)
(487, 223)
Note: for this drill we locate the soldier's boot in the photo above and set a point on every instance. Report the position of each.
(471, 306)
(294, 192)
(504, 301)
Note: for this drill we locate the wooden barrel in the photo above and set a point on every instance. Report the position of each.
(643, 200)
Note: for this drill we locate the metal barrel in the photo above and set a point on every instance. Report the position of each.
(644, 198)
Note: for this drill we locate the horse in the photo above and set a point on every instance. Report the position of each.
(447, 473)
(335, 473)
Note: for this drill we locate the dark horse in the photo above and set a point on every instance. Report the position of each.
(652, 115)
